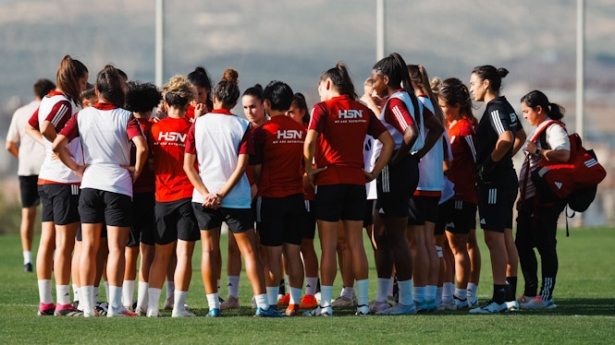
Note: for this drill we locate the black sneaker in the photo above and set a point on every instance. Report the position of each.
(101, 309)
(27, 267)
(68, 310)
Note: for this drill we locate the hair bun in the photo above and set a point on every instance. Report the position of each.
(435, 83)
(259, 87)
(231, 75)
(200, 69)
(502, 72)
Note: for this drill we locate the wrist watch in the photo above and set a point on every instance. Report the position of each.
(537, 152)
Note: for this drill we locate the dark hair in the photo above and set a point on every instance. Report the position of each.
(299, 102)
(179, 92)
(200, 77)
(42, 87)
(453, 91)
(537, 98)
(89, 93)
(279, 94)
(67, 78)
(142, 97)
(394, 67)
(419, 76)
(109, 86)
(227, 90)
(341, 80)
(255, 91)
(494, 75)
(122, 74)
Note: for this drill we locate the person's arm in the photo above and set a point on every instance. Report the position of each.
(240, 169)
(435, 130)
(11, 147)
(68, 133)
(558, 140)
(34, 134)
(12, 138)
(520, 137)
(195, 179)
(388, 145)
(400, 118)
(141, 156)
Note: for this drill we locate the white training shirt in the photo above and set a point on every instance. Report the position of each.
(31, 153)
(369, 160)
(431, 169)
(217, 139)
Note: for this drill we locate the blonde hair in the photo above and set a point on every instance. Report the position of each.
(179, 92)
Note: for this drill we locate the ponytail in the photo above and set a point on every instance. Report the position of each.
(300, 103)
(537, 98)
(394, 67)
(340, 78)
(67, 78)
(109, 84)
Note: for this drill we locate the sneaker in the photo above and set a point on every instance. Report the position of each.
(317, 296)
(490, 308)
(27, 267)
(460, 303)
(214, 312)
(101, 309)
(272, 311)
(362, 310)
(182, 313)
(140, 311)
(284, 300)
(452, 305)
(538, 303)
(46, 309)
(230, 303)
(344, 302)
(308, 302)
(292, 310)
(399, 309)
(425, 307)
(67, 310)
(512, 305)
(376, 306)
(320, 311)
(153, 312)
(122, 312)
(432, 306)
(472, 303)
(76, 305)
(524, 299)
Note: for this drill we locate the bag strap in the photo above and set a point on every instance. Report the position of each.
(544, 127)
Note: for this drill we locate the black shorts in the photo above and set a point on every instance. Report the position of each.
(281, 220)
(368, 216)
(60, 203)
(103, 232)
(99, 206)
(495, 204)
(423, 209)
(463, 218)
(238, 219)
(175, 220)
(143, 220)
(395, 186)
(444, 215)
(309, 230)
(28, 186)
(340, 202)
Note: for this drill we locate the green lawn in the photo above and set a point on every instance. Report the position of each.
(585, 295)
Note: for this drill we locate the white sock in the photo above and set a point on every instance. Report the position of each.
(128, 291)
(272, 295)
(461, 293)
(27, 257)
(405, 292)
(391, 284)
(295, 295)
(310, 285)
(439, 295)
(171, 289)
(142, 295)
(363, 289)
(447, 292)
(262, 301)
(107, 292)
(44, 291)
(430, 292)
(115, 298)
(154, 298)
(348, 292)
(383, 288)
(75, 292)
(86, 302)
(95, 293)
(419, 294)
(180, 300)
(472, 289)
(326, 294)
(233, 286)
(63, 294)
(213, 301)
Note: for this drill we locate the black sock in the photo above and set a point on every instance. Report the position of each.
(511, 291)
(282, 288)
(318, 285)
(499, 293)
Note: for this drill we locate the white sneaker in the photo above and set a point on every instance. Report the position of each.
(452, 305)
(512, 305)
(344, 302)
(362, 310)
(461, 303)
(319, 311)
(140, 311)
(490, 308)
(182, 313)
(538, 303)
(153, 312)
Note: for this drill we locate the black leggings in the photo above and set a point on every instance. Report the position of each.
(537, 228)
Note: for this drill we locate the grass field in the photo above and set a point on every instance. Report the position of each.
(585, 296)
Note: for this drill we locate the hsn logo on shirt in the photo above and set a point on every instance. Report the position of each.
(350, 114)
(172, 136)
(290, 134)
